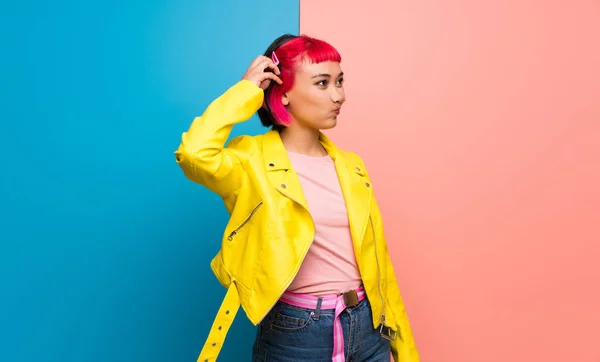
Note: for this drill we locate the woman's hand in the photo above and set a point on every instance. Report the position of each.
(262, 71)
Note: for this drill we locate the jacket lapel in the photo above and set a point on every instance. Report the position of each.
(280, 173)
(357, 192)
(353, 181)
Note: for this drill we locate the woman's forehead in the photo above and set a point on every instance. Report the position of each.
(330, 68)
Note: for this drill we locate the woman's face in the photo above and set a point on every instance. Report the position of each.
(317, 95)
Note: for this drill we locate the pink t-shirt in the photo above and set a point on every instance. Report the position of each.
(330, 266)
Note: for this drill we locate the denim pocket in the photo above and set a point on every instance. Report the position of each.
(290, 319)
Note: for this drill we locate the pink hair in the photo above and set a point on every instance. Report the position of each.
(291, 56)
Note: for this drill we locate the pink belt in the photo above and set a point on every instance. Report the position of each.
(337, 302)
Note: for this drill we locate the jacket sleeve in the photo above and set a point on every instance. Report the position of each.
(403, 347)
(202, 154)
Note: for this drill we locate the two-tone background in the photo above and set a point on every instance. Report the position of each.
(479, 123)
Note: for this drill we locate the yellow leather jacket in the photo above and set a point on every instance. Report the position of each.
(270, 228)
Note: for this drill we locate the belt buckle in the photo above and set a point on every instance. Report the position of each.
(351, 298)
(386, 332)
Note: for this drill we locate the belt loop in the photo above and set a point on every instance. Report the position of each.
(318, 311)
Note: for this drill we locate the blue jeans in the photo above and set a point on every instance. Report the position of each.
(293, 334)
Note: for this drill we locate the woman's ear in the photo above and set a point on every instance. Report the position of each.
(285, 99)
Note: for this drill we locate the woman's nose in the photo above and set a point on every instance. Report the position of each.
(338, 96)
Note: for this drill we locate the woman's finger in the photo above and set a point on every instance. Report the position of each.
(268, 64)
(273, 67)
(257, 60)
(271, 76)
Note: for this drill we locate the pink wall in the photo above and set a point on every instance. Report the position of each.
(480, 124)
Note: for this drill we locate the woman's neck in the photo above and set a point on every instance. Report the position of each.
(302, 140)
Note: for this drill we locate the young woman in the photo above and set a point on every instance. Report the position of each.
(304, 252)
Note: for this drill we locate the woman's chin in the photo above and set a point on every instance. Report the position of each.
(328, 123)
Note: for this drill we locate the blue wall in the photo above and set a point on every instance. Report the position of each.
(105, 246)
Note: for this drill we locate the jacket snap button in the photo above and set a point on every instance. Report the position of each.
(272, 165)
(283, 186)
(358, 169)
(226, 312)
(368, 184)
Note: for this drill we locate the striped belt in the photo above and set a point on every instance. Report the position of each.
(337, 302)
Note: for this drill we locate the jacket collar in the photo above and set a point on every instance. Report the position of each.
(275, 154)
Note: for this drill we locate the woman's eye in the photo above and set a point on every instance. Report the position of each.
(340, 81)
(322, 83)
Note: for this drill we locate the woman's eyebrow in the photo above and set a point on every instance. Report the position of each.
(326, 75)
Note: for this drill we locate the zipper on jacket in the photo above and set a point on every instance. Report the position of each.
(378, 273)
(237, 230)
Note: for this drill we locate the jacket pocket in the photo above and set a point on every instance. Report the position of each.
(239, 228)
